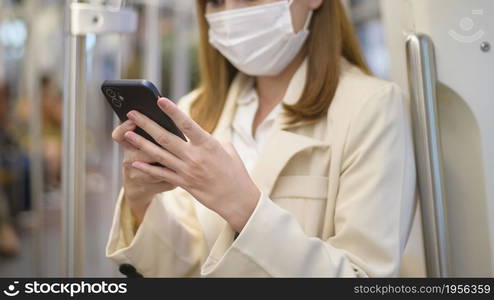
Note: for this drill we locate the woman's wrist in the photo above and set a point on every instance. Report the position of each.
(138, 205)
(239, 213)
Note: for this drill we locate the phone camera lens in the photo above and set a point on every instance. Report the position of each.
(111, 93)
(117, 103)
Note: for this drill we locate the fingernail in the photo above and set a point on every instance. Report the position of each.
(131, 115)
(162, 102)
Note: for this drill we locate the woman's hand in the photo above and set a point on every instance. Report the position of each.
(210, 171)
(139, 187)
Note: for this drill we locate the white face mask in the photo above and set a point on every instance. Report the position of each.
(258, 40)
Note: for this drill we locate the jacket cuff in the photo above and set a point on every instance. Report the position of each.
(251, 241)
(124, 231)
(121, 233)
(226, 256)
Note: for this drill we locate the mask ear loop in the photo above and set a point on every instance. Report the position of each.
(309, 18)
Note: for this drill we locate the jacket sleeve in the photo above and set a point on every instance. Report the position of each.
(168, 243)
(373, 212)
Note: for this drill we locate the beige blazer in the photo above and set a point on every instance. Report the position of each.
(338, 198)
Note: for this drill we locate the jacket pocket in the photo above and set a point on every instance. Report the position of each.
(305, 198)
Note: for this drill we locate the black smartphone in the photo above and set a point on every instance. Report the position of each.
(141, 95)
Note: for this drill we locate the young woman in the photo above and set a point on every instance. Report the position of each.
(298, 162)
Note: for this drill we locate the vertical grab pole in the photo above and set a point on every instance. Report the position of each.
(422, 83)
(81, 19)
(73, 173)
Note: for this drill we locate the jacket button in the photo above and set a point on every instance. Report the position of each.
(129, 271)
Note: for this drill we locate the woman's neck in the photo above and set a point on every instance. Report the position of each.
(272, 89)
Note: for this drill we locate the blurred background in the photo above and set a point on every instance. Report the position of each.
(32, 74)
(37, 220)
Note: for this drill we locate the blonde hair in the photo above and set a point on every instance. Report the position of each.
(331, 37)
